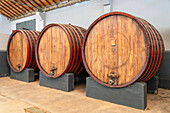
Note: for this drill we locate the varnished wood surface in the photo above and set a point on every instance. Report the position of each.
(122, 46)
(129, 54)
(54, 50)
(59, 49)
(18, 50)
(157, 51)
(21, 50)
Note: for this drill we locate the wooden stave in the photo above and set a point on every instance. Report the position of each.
(78, 66)
(83, 49)
(152, 52)
(147, 43)
(160, 47)
(157, 60)
(35, 37)
(74, 44)
(30, 40)
(29, 49)
(36, 50)
(75, 54)
(162, 42)
(9, 40)
(68, 29)
(154, 63)
(82, 31)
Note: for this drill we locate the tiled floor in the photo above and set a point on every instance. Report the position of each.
(15, 96)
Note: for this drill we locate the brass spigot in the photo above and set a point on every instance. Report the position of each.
(18, 66)
(52, 70)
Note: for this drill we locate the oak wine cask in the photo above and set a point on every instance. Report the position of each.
(21, 50)
(120, 49)
(58, 50)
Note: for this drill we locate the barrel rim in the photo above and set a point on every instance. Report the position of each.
(84, 42)
(36, 52)
(9, 40)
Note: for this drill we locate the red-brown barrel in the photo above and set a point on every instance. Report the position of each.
(120, 49)
(21, 50)
(58, 50)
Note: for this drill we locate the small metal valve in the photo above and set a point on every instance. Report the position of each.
(52, 70)
(111, 82)
(18, 66)
(112, 76)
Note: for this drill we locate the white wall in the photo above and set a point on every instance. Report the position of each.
(4, 25)
(81, 14)
(4, 32)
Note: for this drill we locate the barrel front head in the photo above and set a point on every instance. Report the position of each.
(20, 50)
(117, 50)
(17, 51)
(59, 50)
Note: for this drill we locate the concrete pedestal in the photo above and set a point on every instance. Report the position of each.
(64, 83)
(133, 96)
(27, 75)
(152, 85)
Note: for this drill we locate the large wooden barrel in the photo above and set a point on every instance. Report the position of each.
(120, 49)
(21, 50)
(58, 50)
